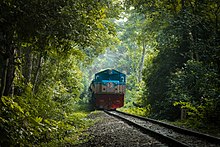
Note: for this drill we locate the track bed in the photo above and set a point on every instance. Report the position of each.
(112, 132)
(168, 134)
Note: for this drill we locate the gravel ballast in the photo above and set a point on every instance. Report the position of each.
(111, 132)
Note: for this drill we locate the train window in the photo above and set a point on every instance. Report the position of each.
(97, 77)
(110, 85)
(122, 79)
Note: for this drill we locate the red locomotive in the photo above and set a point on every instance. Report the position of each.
(108, 89)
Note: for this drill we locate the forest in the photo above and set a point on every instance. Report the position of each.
(50, 51)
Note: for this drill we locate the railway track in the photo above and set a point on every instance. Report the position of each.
(166, 133)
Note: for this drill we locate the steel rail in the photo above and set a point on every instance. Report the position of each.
(207, 137)
(164, 139)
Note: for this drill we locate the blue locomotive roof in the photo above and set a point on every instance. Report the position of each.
(110, 74)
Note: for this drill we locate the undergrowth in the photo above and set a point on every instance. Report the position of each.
(21, 124)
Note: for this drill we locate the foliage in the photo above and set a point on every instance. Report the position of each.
(46, 117)
(133, 101)
(196, 88)
(43, 44)
(140, 111)
(22, 127)
(185, 68)
(47, 51)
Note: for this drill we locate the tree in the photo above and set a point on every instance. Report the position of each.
(187, 32)
(42, 46)
(45, 26)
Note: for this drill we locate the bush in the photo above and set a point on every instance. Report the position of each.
(196, 88)
(22, 125)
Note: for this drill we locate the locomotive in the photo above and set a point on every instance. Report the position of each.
(108, 89)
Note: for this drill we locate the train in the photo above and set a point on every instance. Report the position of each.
(108, 89)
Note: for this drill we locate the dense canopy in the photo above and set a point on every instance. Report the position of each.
(50, 51)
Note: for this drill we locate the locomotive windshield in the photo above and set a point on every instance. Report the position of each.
(111, 75)
(114, 77)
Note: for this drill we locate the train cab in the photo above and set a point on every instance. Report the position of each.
(108, 89)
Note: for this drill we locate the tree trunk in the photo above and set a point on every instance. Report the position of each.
(28, 65)
(4, 76)
(183, 4)
(8, 69)
(37, 72)
(10, 72)
(142, 62)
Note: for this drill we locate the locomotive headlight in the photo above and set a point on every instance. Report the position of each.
(110, 85)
